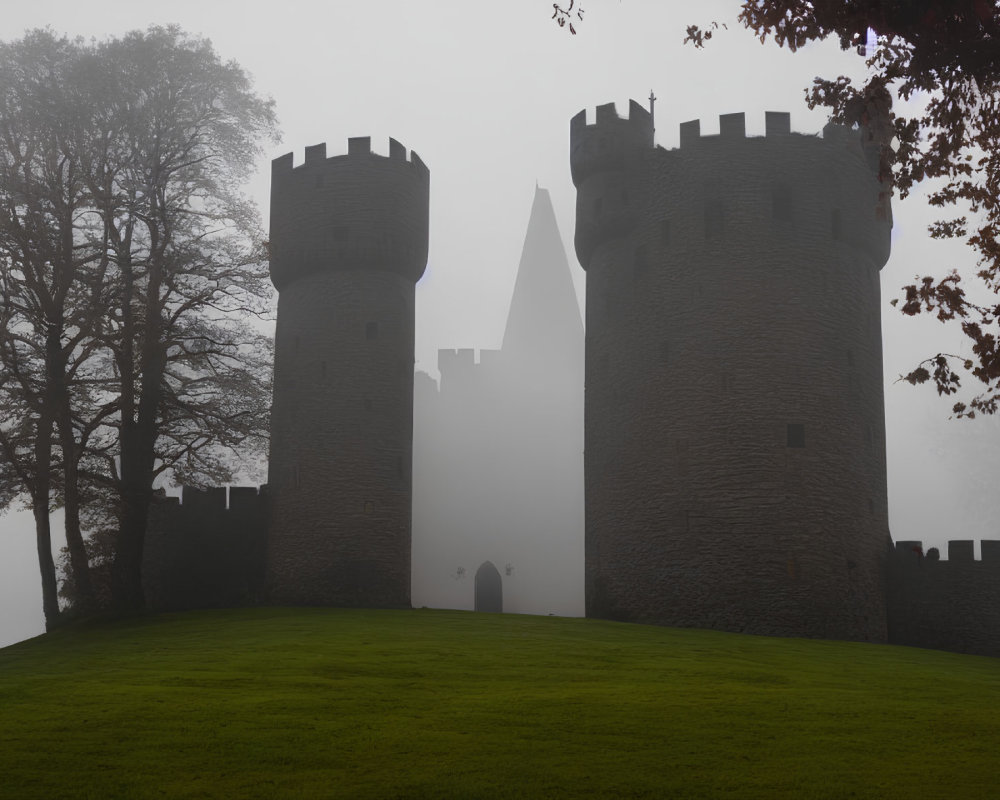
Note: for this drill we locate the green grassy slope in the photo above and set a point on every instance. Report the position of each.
(335, 703)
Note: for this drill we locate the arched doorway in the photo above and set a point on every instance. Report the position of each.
(489, 589)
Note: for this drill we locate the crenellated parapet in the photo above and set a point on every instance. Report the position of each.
(607, 159)
(612, 143)
(947, 604)
(823, 186)
(359, 211)
(204, 552)
(960, 551)
(456, 360)
(463, 374)
(733, 127)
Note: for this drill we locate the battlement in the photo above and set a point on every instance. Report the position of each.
(456, 359)
(592, 140)
(196, 505)
(837, 139)
(960, 551)
(463, 359)
(611, 143)
(607, 114)
(202, 551)
(776, 124)
(358, 211)
(950, 604)
(733, 126)
(357, 147)
(823, 184)
(215, 498)
(464, 370)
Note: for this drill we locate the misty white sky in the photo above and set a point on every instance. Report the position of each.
(484, 92)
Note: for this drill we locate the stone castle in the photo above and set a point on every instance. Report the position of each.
(734, 432)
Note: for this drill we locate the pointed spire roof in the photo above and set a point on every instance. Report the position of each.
(544, 319)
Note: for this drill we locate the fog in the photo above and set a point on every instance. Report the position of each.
(484, 93)
(498, 448)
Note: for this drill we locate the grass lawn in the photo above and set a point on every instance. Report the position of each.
(303, 703)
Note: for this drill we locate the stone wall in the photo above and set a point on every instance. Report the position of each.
(735, 444)
(951, 604)
(201, 552)
(348, 242)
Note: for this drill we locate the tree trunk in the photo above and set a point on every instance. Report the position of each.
(126, 569)
(60, 395)
(138, 455)
(43, 536)
(140, 426)
(79, 563)
(136, 496)
(138, 471)
(39, 491)
(58, 398)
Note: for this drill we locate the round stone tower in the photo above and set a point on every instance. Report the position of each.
(348, 243)
(735, 434)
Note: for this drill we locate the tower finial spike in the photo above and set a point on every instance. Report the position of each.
(652, 102)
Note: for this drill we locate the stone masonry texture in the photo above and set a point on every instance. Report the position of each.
(734, 422)
(348, 243)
